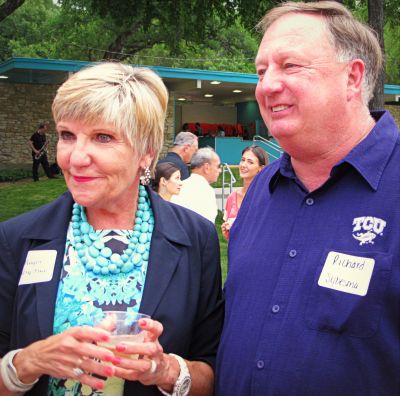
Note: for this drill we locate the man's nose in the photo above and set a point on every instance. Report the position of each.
(271, 82)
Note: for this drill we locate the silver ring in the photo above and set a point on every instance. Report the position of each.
(153, 366)
(77, 371)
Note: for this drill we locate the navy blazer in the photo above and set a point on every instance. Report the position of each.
(182, 289)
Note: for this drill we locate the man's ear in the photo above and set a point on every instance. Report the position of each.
(355, 78)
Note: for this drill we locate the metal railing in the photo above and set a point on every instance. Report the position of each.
(225, 184)
(276, 149)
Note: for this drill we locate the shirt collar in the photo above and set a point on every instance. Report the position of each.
(372, 154)
(369, 157)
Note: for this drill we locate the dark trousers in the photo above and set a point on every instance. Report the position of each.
(35, 167)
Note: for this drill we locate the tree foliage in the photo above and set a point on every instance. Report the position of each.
(207, 34)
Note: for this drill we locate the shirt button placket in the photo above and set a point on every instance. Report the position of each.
(275, 308)
(260, 364)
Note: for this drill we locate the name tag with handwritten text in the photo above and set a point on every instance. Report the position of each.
(38, 267)
(347, 273)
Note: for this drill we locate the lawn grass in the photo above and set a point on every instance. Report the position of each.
(24, 195)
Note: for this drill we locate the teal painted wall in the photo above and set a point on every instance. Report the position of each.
(230, 149)
(249, 113)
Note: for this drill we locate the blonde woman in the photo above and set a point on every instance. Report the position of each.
(109, 243)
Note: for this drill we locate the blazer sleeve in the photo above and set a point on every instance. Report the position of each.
(9, 277)
(210, 311)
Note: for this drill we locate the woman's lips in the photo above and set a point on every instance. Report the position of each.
(83, 179)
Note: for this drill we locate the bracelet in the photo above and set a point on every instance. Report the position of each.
(10, 376)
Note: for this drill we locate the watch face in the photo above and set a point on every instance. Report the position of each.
(184, 387)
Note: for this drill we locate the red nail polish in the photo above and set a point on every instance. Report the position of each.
(120, 348)
(105, 337)
(108, 358)
(142, 323)
(109, 371)
(116, 360)
(99, 385)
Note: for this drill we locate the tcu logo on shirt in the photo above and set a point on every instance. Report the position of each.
(366, 228)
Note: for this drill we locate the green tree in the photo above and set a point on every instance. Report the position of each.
(8, 7)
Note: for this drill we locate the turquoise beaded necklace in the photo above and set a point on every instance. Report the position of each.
(98, 258)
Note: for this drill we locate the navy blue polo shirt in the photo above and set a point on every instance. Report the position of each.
(313, 286)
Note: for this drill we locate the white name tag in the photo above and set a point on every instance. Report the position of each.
(346, 273)
(38, 267)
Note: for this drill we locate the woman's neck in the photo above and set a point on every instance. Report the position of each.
(105, 219)
(165, 195)
(246, 185)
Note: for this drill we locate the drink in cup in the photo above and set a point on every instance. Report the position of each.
(124, 327)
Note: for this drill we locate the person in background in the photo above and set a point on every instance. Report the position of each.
(253, 160)
(313, 286)
(220, 131)
(38, 143)
(185, 145)
(199, 130)
(185, 127)
(196, 193)
(109, 244)
(167, 180)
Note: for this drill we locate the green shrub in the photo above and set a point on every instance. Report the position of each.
(12, 173)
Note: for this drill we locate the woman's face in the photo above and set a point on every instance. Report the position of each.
(174, 183)
(99, 165)
(249, 165)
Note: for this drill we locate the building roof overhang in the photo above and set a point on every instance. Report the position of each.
(190, 84)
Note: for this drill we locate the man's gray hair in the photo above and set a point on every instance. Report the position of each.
(202, 156)
(351, 38)
(183, 138)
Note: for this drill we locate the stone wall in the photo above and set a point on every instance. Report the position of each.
(23, 107)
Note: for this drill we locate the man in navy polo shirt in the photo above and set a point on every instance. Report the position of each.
(313, 288)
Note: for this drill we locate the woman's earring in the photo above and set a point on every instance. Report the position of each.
(146, 176)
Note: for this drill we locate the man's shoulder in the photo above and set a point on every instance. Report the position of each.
(171, 157)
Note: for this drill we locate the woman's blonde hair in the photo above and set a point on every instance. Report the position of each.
(351, 38)
(132, 99)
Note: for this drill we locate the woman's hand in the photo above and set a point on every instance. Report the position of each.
(63, 354)
(153, 367)
(225, 228)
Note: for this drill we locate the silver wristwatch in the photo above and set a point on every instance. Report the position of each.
(184, 381)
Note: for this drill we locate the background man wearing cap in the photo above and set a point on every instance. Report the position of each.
(196, 193)
(185, 145)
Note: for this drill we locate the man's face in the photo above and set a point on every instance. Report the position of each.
(214, 169)
(43, 130)
(301, 88)
(190, 150)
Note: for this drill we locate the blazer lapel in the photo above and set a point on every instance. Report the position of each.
(46, 292)
(166, 250)
(164, 258)
(50, 233)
